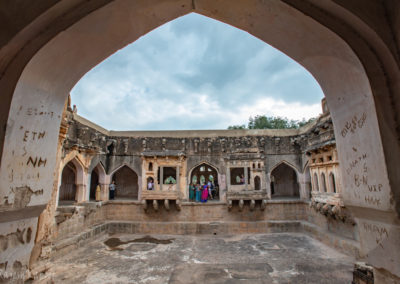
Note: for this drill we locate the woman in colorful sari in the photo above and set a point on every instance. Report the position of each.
(204, 193)
(191, 192)
(198, 193)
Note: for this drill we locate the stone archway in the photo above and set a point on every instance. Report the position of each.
(79, 182)
(127, 185)
(285, 183)
(67, 191)
(94, 181)
(351, 52)
(204, 173)
(98, 177)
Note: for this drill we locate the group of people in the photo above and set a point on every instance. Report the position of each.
(201, 193)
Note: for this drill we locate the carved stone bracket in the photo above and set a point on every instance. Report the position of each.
(155, 205)
(166, 204)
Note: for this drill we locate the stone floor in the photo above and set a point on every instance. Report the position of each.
(267, 258)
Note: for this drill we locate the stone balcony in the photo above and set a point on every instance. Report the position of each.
(154, 196)
(252, 196)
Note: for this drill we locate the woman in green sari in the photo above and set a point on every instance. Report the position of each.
(191, 192)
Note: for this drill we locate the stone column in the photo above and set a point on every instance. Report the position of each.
(302, 186)
(89, 183)
(161, 177)
(104, 196)
(246, 177)
(228, 179)
(177, 179)
(105, 192)
(268, 185)
(80, 193)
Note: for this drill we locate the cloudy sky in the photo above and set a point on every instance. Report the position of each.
(195, 73)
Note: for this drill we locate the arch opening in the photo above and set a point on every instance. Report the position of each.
(94, 182)
(204, 174)
(316, 184)
(67, 191)
(323, 181)
(257, 183)
(126, 182)
(332, 183)
(284, 182)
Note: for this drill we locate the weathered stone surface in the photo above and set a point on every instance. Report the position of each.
(279, 258)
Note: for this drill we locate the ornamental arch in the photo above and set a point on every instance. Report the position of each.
(352, 54)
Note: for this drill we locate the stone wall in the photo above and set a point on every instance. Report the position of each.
(240, 209)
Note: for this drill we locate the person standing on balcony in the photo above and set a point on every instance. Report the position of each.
(112, 190)
(191, 192)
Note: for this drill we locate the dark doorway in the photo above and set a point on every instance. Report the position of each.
(257, 183)
(68, 187)
(126, 181)
(94, 181)
(284, 182)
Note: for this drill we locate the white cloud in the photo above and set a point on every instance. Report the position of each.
(195, 73)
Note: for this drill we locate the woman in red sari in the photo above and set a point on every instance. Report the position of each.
(204, 193)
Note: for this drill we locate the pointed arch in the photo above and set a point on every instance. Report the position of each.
(101, 172)
(210, 174)
(284, 181)
(332, 182)
(316, 182)
(296, 170)
(97, 178)
(323, 182)
(126, 181)
(201, 163)
(120, 166)
(72, 178)
(80, 170)
(67, 188)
